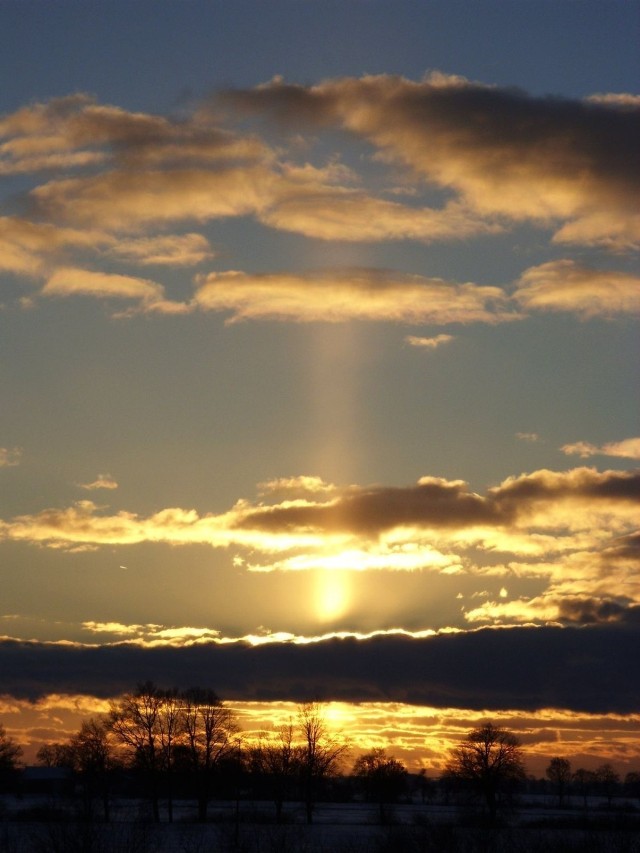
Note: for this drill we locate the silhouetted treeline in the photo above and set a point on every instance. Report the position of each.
(165, 745)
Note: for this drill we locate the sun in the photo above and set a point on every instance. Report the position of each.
(332, 595)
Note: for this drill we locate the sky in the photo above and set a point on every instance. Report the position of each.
(319, 347)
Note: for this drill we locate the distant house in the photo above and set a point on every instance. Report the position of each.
(51, 781)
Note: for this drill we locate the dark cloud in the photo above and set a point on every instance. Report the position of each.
(586, 611)
(623, 548)
(593, 139)
(594, 669)
(578, 484)
(506, 152)
(430, 502)
(434, 502)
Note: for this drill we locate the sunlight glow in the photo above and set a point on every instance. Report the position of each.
(333, 595)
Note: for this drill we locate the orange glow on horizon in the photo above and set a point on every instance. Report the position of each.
(419, 736)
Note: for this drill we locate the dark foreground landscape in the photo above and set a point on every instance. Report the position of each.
(38, 825)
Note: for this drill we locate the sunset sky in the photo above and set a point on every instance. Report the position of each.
(319, 346)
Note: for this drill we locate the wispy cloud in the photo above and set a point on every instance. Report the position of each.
(124, 179)
(506, 154)
(532, 437)
(628, 448)
(567, 286)
(103, 481)
(164, 250)
(428, 343)
(10, 456)
(29, 248)
(79, 282)
(350, 294)
(560, 529)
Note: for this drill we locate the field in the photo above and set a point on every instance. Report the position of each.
(33, 825)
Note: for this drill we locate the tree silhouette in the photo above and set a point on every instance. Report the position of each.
(608, 781)
(489, 759)
(170, 724)
(559, 774)
(321, 752)
(278, 762)
(584, 779)
(134, 720)
(210, 732)
(382, 777)
(10, 754)
(93, 758)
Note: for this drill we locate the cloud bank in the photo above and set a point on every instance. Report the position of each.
(586, 670)
(441, 159)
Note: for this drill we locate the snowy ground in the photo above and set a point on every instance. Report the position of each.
(338, 828)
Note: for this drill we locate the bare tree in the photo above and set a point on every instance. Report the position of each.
(278, 761)
(608, 781)
(55, 755)
(383, 778)
(321, 752)
(559, 774)
(210, 731)
(632, 784)
(134, 721)
(489, 759)
(10, 755)
(585, 780)
(170, 725)
(93, 756)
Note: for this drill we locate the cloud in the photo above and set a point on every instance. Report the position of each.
(501, 156)
(554, 535)
(10, 456)
(428, 343)
(585, 670)
(300, 486)
(567, 286)
(29, 248)
(70, 281)
(505, 153)
(528, 436)
(569, 501)
(491, 157)
(164, 250)
(554, 608)
(591, 611)
(151, 635)
(103, 481)
(349, 294)
(75, 131)
(628, 448)
(338, 213)
(123, 200)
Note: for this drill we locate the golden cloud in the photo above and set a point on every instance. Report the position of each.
(628, 448)
(164, 250)
(76, 131)
(572, 531)
(428, 343)
(350, 294)
(10, 456)
(567, 286)
(28, 248)
(79, 282)
(133, 200)
(504, 153)
(103, 481)
(543, 503)
(338, 213)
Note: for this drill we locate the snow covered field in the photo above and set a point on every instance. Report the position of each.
(338, 828)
